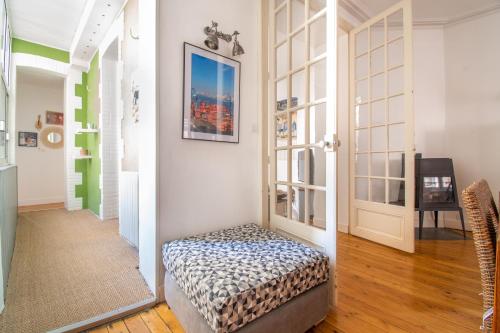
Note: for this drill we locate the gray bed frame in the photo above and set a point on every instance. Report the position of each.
(295, 316)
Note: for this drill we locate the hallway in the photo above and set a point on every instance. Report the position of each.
(68, 267)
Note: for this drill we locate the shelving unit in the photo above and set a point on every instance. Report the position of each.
(87, 130)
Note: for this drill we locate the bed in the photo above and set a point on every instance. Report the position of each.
(245, 279)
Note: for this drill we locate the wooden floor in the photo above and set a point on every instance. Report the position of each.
(381, 290)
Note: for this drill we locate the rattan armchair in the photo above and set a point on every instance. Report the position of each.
(483, 218)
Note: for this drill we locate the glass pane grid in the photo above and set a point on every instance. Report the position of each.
(295, 134)
(379, 115)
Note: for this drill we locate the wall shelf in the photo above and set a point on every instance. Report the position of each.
(83, 157)
(87, 130)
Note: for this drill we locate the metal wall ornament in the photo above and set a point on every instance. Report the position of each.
(38, 122)
(213, 36)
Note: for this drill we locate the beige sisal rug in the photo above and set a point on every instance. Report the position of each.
(68, 267)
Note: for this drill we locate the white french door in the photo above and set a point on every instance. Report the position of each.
(381, 129)
(302, 118)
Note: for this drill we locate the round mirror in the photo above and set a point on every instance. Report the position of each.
(54, 137)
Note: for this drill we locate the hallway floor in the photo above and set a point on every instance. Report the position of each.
(380, 290)
(68, 267)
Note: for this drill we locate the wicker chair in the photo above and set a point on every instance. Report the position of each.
(483, 219)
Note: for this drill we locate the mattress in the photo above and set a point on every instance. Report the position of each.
(236, 275)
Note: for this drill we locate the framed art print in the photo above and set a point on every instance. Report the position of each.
(54, 118)
(27, 139)
(211, 96)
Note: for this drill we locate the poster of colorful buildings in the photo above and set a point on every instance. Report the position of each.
(212, 96)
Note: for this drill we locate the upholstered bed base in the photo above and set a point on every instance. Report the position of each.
(296, 316)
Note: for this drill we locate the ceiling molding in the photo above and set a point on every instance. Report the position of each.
(353, 9)
(363, 15)
(475, 14)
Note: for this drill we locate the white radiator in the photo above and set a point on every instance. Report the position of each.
(129, 207)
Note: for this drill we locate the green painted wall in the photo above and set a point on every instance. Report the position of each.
(89, 190)
(22, 46)
(93, 110)
(81, 191)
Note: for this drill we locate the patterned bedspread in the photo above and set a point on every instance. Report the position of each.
(236, 275)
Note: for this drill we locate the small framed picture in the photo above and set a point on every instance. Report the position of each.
(54, 118)
(211, 96)
(27, 139)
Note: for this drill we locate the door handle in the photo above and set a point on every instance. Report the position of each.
(330, 143)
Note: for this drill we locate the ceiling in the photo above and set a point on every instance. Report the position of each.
(52, 23)
(431, 10)
(77, 26)
(100, 19)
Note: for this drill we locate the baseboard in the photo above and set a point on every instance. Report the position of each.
(343, 228)
(445, 220)
(107, 317)
(41, 201)
(455, 224)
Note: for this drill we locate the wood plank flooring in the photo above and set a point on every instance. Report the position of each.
(380, 290)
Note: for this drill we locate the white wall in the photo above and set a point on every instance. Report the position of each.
(149, 248)
(429, 98)
(40, 170)
(130, 55)
(110, 132)
(472, 68)
(429, 91)
(207, 185)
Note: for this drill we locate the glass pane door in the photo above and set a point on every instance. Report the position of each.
(382, 161)
(299, 110)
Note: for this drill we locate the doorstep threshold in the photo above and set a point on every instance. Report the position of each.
(107, 317)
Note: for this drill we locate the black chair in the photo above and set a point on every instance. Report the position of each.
(436, 189)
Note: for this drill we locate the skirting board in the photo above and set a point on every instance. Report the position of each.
(343, 228)
(41, 201)
(445, 220)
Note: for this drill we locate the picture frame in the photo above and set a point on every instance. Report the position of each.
(27, 139)
(211, 96)
(54, 118)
